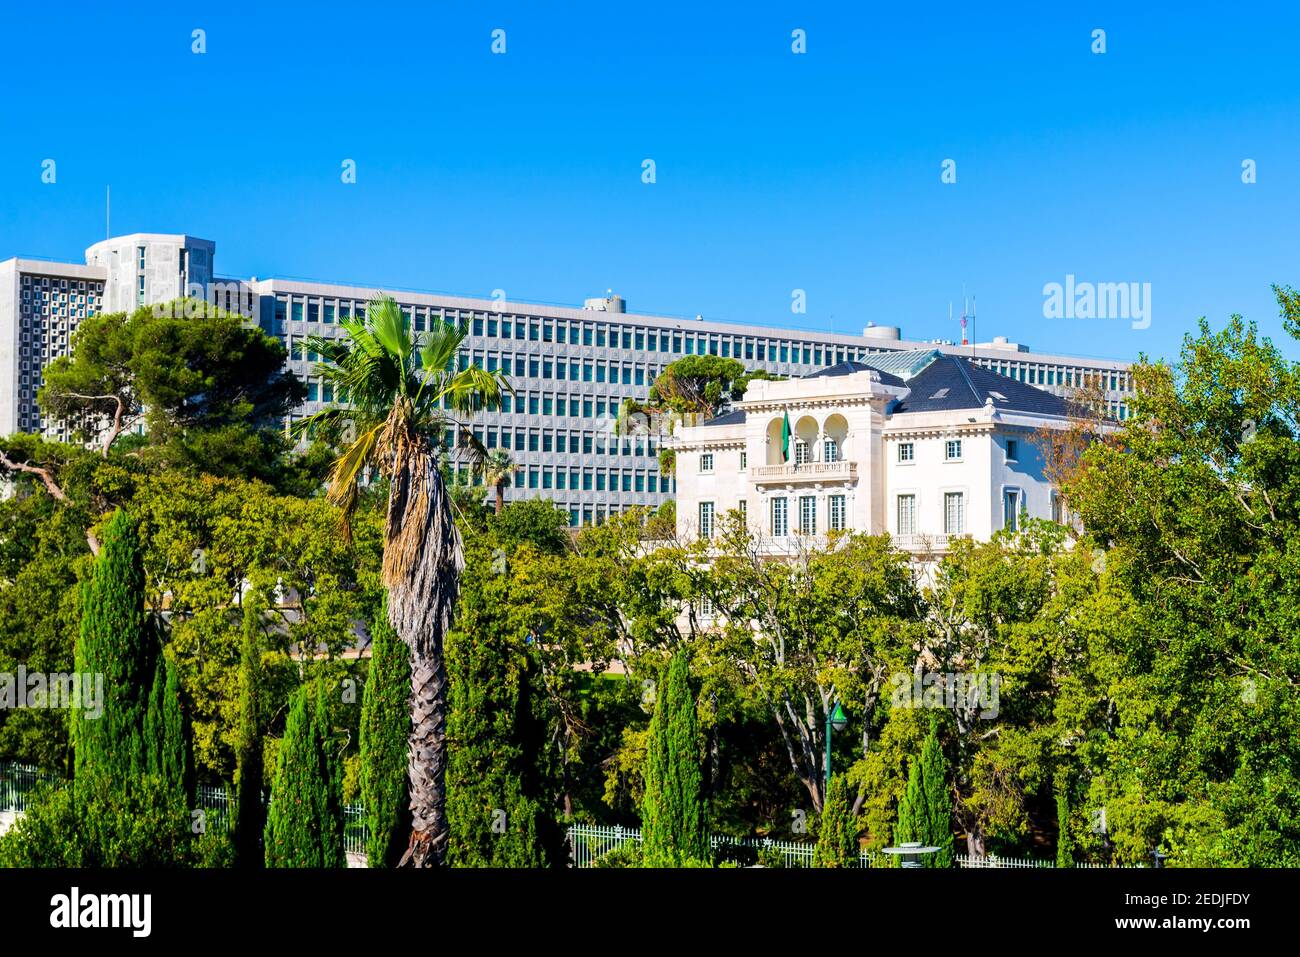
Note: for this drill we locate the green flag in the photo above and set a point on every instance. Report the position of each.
(785, 436)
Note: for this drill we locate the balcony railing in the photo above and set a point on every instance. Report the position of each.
(806, 472)
(923, 543)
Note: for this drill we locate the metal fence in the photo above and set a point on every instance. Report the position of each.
(18, 781)
(587, 843)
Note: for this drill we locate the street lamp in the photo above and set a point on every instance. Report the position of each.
(837, 720)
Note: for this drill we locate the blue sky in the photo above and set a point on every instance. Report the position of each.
(775, 171)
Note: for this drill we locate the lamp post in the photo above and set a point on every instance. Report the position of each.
(836, 720)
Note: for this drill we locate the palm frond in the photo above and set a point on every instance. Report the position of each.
(439, 347)
(473, 389)
(388, 325)
(347, 469)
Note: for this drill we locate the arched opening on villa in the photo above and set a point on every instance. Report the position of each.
(835, 431)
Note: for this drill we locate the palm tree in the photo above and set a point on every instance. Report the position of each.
(497, 469)
(401, 393)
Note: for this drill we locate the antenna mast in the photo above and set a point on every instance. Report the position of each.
(108, 211)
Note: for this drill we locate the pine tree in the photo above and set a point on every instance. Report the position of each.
(673, 814)
(385, 730)
(837, 837)
(116, 644)
(250, 818)
(300, 830)
(938, 800)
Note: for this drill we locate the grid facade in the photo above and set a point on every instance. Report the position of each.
(49, 310)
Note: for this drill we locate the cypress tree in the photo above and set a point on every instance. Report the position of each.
(177, 753)
(913, 814)
(299, 830)
(331, 807)
(1064, 840)
(837, 838)
(168, 753)
(385, 730)
(250, 818)
(673, 815)
(153, 720)
(500, 773)
(938, 800)
(114, 643)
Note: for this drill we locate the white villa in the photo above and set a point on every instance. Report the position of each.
(924, 445)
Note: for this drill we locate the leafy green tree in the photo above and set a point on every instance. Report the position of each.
(699, 385)
(101, 823)
(538, 521)
(303, 828)
(115, 643)
(837, 836)
(250, 816)
(206, 540)
(795, 637)
(673, 812)
(402, 392)
(385, 729)
(1194, 514)
(42, 547)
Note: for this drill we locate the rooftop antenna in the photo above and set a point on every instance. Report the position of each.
(972, 325)
(964, 340)
(108, 211)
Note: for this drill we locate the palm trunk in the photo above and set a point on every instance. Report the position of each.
(422, 567)
(427, 763)
(501, 496)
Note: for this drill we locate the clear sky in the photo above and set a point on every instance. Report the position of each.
(774, 171)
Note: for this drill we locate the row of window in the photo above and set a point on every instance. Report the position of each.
(578, 332)
(779, 515)
(1053, 375)
(54, 282)
(954, 514)
(561, 440)
(577, 479)
(952, 451)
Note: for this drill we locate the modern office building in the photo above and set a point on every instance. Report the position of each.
(571, 367)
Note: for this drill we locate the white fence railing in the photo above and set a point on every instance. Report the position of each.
(587, 843)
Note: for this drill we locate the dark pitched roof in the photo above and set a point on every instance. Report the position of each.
(951, 382)
(734, 417)
(850, 367)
